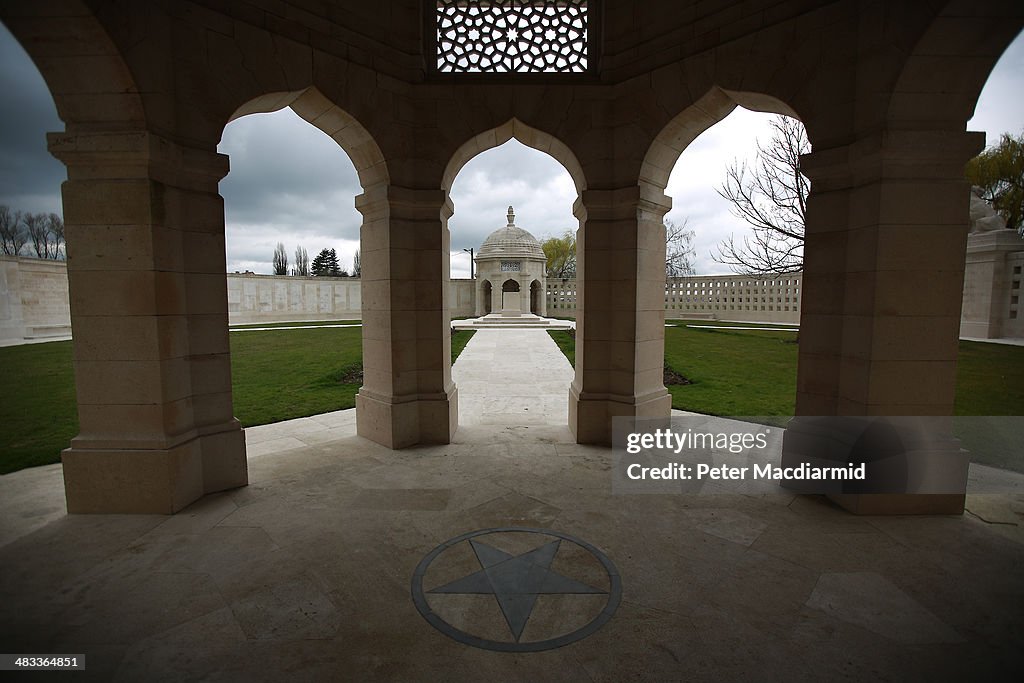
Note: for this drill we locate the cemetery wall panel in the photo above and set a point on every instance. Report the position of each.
(34, 299)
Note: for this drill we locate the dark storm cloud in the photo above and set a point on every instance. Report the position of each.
(29, 177)
(286, 171)
(289, 183)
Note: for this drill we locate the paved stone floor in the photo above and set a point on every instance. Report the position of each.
(305, 574)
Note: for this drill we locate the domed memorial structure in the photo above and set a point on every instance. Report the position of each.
(510, 273)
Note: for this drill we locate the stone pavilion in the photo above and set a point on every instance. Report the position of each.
(511, 272)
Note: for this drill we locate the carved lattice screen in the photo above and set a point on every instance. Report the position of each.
(520, 36)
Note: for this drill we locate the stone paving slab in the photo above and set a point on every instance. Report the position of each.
(305, 573)
(512, 377)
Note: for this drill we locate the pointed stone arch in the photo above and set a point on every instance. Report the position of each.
(71, 48)
(529, 136)
(943, 76)
(312, 106)
(686, 126)
(380, 415)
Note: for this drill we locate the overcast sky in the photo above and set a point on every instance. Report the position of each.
(290, 183)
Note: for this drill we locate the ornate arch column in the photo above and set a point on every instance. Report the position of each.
(883, 279)
(620, 322)
(407, 396)
(145, 236)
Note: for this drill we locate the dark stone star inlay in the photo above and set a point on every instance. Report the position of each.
(516, 581)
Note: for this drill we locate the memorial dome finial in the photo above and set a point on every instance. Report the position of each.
(510, 241)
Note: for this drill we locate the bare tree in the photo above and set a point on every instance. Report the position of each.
(38, 228)
(301, 261)
(12, 231)
(55, 226)
(772, 199)
(357, 265)
(679, 251)
(280, 260)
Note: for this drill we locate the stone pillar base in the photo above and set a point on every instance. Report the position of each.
(590, 419)
(422, 420)
(133, 481)
(914, 464)
(153, 481)
(224, 461)
(900, 504)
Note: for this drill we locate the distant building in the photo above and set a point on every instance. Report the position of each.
(510, 270)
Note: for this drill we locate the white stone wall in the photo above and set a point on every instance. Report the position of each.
(1013, 326)
(992, 306)
(561, 296)
(269, 298)
(34, 298)
(774, 299)
(273, 298)
(461, 300)
(714, 297)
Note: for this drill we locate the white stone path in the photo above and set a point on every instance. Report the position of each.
(512, 377)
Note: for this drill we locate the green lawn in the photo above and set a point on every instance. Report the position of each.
(298, 323)
(459, 341)
(567, 343)
(38, 413)
(753, 372)
(280, 375)
(747, 373)
(742, 373)
(276, 375)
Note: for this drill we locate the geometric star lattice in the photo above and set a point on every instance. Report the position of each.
(500, 36)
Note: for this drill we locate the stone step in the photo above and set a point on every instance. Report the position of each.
(43, 331)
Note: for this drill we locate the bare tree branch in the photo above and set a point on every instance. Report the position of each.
(301, 261)
(12, 231)
(38, 232)
(772, 199)
(679, 251)
(280, 260)
(55, 226)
